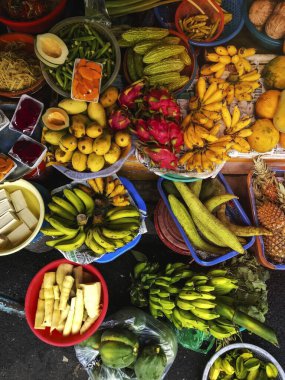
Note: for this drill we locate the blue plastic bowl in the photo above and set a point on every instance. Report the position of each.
(260, 242)
(142, 207)
(260, 37)
(236, 214)
(165, 16)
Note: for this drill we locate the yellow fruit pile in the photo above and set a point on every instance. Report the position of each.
(240, 84)
(86, 142)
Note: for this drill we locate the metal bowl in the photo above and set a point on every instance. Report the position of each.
(258, 352)
(102, 30)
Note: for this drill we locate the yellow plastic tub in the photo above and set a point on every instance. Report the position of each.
(35, 204)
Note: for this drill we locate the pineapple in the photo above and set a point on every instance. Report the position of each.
(271, 216)
(265, 182)
(275, 247)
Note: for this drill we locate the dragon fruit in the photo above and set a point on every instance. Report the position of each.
(159, 130)
(163, 157)
(130, 94)
(160, 100)
(141, 130)
(176, 136)
(119, 120)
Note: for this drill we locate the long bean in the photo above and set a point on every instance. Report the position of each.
(139, 7)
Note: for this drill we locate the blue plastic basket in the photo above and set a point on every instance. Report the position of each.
(260, 243)
(165, 16)
(267, 42)
(236, 213)
(142, 207)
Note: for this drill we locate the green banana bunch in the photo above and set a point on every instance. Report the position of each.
(241, 364)
(204, 301)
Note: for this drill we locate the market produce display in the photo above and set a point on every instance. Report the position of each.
(84, 142)
(203, 301)
(80, 215)
(69, 301)
(243, 364)
(186, 100)
(158, 55)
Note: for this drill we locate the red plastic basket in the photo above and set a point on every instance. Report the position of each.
(187, 9)
(39, 25)
(31, 300)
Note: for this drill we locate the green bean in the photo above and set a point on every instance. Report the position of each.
(94, 45)
(73, 30)
(87, 29)
(103, 50)
(73, 54)
(69, 70)
(64, 82)
(58, 77)
(99, 39)
(85, 38)
(66, 75)
(109, 68)
(81, 52)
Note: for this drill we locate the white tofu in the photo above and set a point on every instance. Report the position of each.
(4, 194)
(6, 206)
(19, 234)
(28, 217)
(8, 222)
(18, 200)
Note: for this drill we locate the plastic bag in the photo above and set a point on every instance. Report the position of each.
(148, 330)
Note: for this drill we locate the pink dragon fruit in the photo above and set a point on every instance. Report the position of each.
(130, 94)
(119, 120)
(163, 157)
(176, 136)
(141, 130)
(159, 130)
(160, 100)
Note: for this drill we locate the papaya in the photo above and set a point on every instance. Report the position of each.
(120, 335)
(151, 363)
(55, 119)
(116, 354)
(279, 116)
(274, 73)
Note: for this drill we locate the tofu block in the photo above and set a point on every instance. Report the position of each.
(19, 234)
(18, 200)
(5, 206)
(28, 218)
(4, 194)
(8, 222)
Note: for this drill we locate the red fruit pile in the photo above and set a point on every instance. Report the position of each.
(154, 116)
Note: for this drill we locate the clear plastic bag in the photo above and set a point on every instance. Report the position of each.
(148, 330)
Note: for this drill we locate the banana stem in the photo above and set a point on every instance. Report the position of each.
(249, 323)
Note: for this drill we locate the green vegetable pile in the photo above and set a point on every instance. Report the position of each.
(252, 294)
(83, 41)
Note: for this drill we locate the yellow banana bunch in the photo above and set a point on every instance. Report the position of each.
(237, 128)
(205, 107)
(111, 188)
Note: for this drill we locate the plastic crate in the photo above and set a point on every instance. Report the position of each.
(236, 214)
(260, 251)
(165, 16)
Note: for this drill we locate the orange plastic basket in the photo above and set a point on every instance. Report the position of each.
(210, 8)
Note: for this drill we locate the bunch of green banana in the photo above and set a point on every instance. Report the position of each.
(241, 364)
(203, 301)
(67, 219)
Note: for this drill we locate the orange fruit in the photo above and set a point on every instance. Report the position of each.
(267, 104)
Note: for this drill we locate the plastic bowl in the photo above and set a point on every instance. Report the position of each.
(35, 204)
(39, 25)
(165, 16)
(28, 42)
(190, 71)
(102, 30)
(57, 339)
(265, 41)
(186, 9)
(257, 351)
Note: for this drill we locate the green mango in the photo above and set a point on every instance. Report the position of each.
(117, 354)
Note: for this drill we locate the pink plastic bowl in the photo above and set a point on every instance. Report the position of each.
(31, 300)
